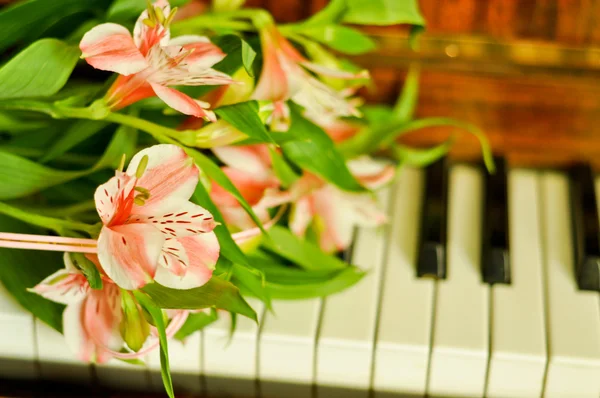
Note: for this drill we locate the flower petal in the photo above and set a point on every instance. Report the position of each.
(110, 47)
(114, 198)
(318, 99)
(203, 252)
(181, 102)
(65, 286)
(251, 188)
(129, 253)
(76, 338)
(252, 159)
(185, 218)
(102, 316)
(372, 173)
(170, 175)
(335, 224)
(273, 82)
(174, 257)
(301, 216)
(146, 37)
(204, 54)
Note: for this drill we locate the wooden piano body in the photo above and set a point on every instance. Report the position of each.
(527, 73)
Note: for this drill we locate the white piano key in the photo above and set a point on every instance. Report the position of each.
(121, 375)
(402, 348)
(460, 337)
(230, 366)
(573, 316)
(185, 360)
(57, 361)
(286, 348)
(17, 339)
(518, 339)
(346, 338)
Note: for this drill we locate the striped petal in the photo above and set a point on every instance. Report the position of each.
(187, 219)
(129, 253)
(170, 176)
(203, 54)
(110, 47)
(114, 199)
(181, 102)
(372, 173)
(252, 159)
(202, 252)
(273, 82)
(65, 286)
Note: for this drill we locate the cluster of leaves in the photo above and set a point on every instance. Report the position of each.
(57, 146)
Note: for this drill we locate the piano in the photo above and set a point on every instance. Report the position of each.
(457, 302)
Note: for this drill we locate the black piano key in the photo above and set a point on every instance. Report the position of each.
(586, 228)
(431, 259)
(495, 261)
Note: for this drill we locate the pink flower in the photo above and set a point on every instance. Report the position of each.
(249, 168)
(151, 230)
(285, 76)
(334, 213)
(150, 61)
(92, 321)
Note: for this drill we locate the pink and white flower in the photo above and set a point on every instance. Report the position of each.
(151, 230)
(284, 76)
(150, 61)
(93, 318)
(249, 169)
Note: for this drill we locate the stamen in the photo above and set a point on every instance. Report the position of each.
(122, 163)
(142, 167)
(144, 193)
(159, 14)
(149, 23)
(170, 17)
(139, 201)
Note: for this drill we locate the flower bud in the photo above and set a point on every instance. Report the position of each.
(134, 326)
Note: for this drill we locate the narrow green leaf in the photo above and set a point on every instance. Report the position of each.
(23, 269)
(12, 124)
(313, 150)
(284, 172)
(421, 157)
(38, 71)
(89, 270)
(383, 12)
(244, 117)
(195, 322)
(248, 56)
(333, 12)
(252, 280)
(215, 173)
(340, 38)
(303, 253)
(159, 322)
(406, 104)
(217, 293)
(229, 248)
(79, 131)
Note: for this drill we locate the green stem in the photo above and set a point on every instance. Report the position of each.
(58, 225)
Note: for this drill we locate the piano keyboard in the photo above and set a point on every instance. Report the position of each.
(534, 332)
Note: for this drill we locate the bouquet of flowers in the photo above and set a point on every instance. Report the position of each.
(191, 158)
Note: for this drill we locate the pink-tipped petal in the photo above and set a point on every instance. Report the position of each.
(372, 173)
(183, 219)
(335, 214)
(102, 316)
(114, 199)
(273, 82)
(179, 101)
(203, 253)
(301, 216)
(76, 338)
(110, 47)
(203, 54)
(174, 258)
(129, 253)
(252, 159)
(64, 286)
(170, 175)
(251, 188)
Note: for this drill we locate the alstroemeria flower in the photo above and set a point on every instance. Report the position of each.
(334, 213)
(150, 61)
(284, 76)
(92, 321)
(151, 230)
(249, 168)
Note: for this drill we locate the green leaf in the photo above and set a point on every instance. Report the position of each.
(244, 117)
(217, 293)
(215, 173)
(333, 12)
(404, 108)
(88, 269)
(422, 157)
(228, 247)
(284, 172)
(12, 124)
(313, 150)
(159, 322)
(303, 253)
(79, 131)
(38, 71)
(195, 322)
(253, 281)
(28, 18)
(248, 56)
(340, 38)
(383, 12)
(23, 269)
